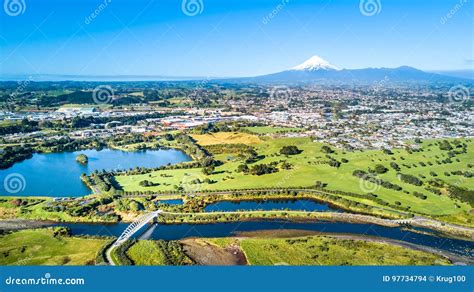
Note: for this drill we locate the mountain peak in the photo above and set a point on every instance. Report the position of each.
(315, 63)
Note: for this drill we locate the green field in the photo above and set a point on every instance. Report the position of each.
(47, 247)
(321, 250)
(271, 130)
(307, 169)
(146, 253)
(157, 253)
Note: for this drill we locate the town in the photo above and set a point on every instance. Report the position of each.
(360, 118)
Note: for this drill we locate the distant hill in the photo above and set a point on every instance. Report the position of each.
(466, 74)
(318, 70)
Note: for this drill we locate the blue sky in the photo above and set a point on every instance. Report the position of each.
(232, 37)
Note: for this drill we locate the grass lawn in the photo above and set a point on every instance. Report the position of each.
(146, 253)
(321, 250)
(307, 169)
(41, 247)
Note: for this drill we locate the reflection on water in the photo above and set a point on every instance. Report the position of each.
(300, 204)
(171, 202)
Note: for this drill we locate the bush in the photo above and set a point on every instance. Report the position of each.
(419, 195)
(462, 194)
(327, 149)
(121, 253)
(243, 168)
(410, 179)
(260, 169)
(101, 258)
(290, 150)
(145, 183)
(379, 168)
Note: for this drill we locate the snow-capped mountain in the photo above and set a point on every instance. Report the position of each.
(315, 63)
(318, 70)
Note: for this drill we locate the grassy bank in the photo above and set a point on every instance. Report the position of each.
(322, 250)
(49, 246)
(153, 253)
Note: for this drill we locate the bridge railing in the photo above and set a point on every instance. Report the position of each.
(136, 225)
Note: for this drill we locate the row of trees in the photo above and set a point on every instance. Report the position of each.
(368, 177)
(25, 126)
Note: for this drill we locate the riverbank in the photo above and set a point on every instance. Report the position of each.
(316, 249)
(48, 246)
(289, 233)
(19, 224)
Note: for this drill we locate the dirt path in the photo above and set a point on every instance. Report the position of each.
(204, 253)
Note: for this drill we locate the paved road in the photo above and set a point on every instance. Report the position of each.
(108, 255)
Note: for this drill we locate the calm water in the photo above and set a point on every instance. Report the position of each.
(179, 231)
(171, 202)
(58, 174)
(307, 205)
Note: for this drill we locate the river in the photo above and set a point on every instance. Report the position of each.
(180, 231)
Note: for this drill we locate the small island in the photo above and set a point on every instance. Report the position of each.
(82, 158)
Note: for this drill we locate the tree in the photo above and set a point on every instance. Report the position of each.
(387, 151)
(145, 183)
(260, 169)
(327, 149)
(445, 145)
(410, 179)
(379, 168)
(248, 155)
(286, 165)
(290, 150)
(243, 168)
(82, 159)
(395, 166)
(168, 137)
(208, 170)
(135, 206)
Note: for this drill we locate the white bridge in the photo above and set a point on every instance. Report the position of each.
(136, 225)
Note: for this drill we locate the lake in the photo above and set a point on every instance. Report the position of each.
(180, 231)
(300, 204)
(58, 174)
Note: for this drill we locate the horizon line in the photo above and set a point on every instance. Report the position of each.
(159, 77)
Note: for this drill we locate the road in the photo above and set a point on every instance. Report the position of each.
(108, 255)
